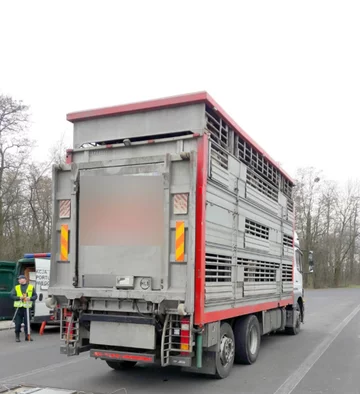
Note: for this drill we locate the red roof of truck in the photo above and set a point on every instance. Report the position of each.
(168, 102)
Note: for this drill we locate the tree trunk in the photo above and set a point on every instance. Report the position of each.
(1, 226)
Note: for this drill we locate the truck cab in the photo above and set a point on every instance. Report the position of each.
(298, 276)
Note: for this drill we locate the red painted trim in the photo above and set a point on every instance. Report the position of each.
(244, 310)
(293, 256)
(202, 159)
(294, 262)
(123, 356)
(166, 102)
(69, 156)
(186, 99)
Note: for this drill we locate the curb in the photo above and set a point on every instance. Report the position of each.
(4, 327)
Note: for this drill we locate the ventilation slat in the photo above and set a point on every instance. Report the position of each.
(260, 184)
(218, 268)
(287, 272)
(256, 229)
(290, 205)
(288, 241)
(247, 154)
(219, 136)
(258, 270)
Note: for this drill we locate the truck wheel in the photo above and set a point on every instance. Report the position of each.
(247, 340)
(225, 356)
(120, 365)
(295, 330)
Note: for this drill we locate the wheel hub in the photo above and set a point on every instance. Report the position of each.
(253, 340)
(227, 350)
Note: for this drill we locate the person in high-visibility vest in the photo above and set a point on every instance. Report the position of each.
(24, 295)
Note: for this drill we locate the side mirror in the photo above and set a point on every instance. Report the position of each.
(311, 261)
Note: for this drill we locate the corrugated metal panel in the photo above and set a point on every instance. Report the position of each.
(218, 292)
(150, 123)
(259, 198)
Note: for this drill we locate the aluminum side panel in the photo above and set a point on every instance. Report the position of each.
(148, 123)
(246, 260)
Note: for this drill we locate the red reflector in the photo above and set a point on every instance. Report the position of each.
(127, 357)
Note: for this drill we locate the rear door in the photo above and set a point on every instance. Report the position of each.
(122, 226)
(132, 219)
(42, 267)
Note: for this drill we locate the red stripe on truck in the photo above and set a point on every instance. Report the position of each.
(244, 310)
(202, 160)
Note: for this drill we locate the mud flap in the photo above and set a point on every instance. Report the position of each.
(208, 365)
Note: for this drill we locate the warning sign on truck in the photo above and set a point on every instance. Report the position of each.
(42, 278)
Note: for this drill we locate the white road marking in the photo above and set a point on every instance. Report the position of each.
(295, 378)
(43, 369)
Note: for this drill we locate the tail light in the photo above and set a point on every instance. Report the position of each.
(185, 335)
(69, 326)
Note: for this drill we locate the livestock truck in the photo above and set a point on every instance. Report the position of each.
(173, 238)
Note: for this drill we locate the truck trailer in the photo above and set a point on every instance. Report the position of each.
(173, 238)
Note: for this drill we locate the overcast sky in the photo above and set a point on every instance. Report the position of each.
(288, 72)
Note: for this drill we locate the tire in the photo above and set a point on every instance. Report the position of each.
(225, 357)
(295, 330)
(247, 340)
(121, 365)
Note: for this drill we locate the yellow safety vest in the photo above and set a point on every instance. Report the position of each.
(29, 293)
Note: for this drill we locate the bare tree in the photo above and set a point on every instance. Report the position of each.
(345, 234)
(327, 222)
(14, 150)
(307, 203)
(39, 199)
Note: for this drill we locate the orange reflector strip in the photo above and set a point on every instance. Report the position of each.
(184, 346)
(180, 241)
(64, 242)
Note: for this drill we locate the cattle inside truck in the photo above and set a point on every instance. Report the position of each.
(173, 238)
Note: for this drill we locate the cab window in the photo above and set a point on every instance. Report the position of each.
(299, 261)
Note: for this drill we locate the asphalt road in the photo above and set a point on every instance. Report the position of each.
(323, 358)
